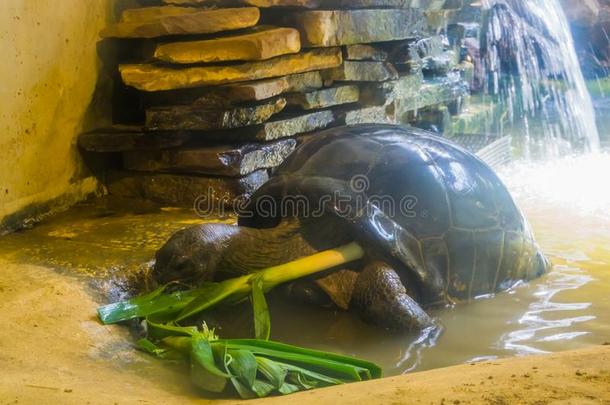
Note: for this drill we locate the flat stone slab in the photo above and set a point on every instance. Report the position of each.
(127, 138)
(292, 126)
(235, 161)
(285, 3)
(207, 194)
(150, 77)
(262, 89)
(433, 92)
(264, 43)
(323, 28)
(148, 14)
(313, 4)
(162, 21)
(361, 71)
(324, 98)
(204, 3)
(364, 52)
(230, 95)
(367, 115)
(284, 126)
(405, 87)
(199, 118)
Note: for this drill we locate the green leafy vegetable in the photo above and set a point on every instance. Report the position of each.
(257, 368)
(253, 367)
(181, 305)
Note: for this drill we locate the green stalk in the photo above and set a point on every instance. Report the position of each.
(238, 288)
(184, 304)
(273, 276)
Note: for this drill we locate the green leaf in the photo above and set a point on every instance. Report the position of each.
(129, 309)
(204, 372)
(243, 366)
(292, 369)
(201, 353)
(262, 320)
(214, 295)
(179, 343)
(227, 360)
(203, 379)
(149, 347)
(301, 381)
(160, 331)
(242, 389)
(165, 353)
(288, 388)
(275, 373)
(154, 303)
(262, 388)
(332, 364)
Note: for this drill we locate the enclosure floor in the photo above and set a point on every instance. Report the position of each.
(53, 349)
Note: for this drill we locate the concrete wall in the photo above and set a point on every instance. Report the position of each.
(48, 74)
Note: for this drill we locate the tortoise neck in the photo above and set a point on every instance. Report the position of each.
(255, 249)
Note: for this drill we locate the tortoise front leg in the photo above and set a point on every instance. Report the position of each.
(381, 298)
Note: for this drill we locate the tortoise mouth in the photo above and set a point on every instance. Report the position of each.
(173, 271)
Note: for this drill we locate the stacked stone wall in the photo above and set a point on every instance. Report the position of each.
(212, 94)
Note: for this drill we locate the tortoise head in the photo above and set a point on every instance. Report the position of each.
(191, 256)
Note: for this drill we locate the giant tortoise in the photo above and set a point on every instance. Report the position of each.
(436, 223)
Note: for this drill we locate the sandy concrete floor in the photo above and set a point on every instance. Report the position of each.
(54, 351)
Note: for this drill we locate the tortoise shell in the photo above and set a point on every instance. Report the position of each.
(414, 198)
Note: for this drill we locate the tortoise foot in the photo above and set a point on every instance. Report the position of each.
(381, 298)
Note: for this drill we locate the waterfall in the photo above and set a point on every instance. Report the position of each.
(532, 65)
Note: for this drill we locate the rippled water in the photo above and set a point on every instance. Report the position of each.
(568, 203)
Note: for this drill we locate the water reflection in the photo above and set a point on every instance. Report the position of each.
(413, 355)
(571, 210)
(533, 323)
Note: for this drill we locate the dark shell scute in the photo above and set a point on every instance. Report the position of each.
(413, 187)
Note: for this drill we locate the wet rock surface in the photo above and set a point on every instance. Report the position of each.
(286, 126)
(365, 52)
(361, 71)
(233, 161)
(324, 98)
(198, 117)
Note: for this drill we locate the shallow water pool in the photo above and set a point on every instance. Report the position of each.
(567, 201)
